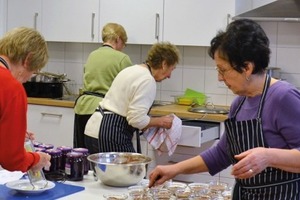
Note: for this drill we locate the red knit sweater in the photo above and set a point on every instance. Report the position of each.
(13, 125)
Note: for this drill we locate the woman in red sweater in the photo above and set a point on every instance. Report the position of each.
(23, 51)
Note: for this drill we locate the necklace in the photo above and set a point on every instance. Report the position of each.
(4, 62)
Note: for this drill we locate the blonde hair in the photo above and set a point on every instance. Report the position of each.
(112, 31)
(163, 51)
(21, 42)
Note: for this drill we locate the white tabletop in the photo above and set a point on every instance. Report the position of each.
(93, 189)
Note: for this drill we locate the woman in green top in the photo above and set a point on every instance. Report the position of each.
(101, 68)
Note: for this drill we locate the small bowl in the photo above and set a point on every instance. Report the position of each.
(115, 196)
(162, 194)
(199, 188)
(136, 191)
(183, 193)
(153, 189)
(217, 187)
(174, 186)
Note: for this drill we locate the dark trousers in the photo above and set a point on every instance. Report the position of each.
(79, 126)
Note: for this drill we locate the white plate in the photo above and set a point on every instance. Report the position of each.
(25, 187)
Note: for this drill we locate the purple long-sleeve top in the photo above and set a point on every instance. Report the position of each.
(280, 121)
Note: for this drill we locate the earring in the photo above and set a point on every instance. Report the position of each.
(247, 78)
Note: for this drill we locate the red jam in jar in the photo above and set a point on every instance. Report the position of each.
(74, 167)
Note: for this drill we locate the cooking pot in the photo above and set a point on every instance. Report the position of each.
(45, 85)
(44, 89)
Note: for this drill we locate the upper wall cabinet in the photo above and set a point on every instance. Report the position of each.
(195, 22)
(24, 13)
(70, 20)
(142, 20)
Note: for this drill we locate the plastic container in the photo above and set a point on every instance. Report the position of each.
(85, 153)
(74, 167)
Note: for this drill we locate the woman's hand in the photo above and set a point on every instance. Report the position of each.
(29, 135)
(161, 174)
(250, 163)
(44, 162)
(166, 121)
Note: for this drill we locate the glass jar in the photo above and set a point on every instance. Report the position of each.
(64, 150)
(85, 153)
(74, 167)
(55, 160)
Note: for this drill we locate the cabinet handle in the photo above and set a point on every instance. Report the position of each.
(35, 20)
(157, 22)
(92, 28)
(51, 114)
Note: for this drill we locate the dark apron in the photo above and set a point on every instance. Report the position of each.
(89, 93)
(115, 134)
(271, 183)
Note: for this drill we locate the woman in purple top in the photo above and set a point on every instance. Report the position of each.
(262, 132)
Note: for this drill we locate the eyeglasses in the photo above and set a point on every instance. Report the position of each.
(223, 72)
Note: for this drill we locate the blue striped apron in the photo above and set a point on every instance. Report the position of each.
(271, 183)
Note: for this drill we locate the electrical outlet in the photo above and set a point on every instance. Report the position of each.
(221, 84)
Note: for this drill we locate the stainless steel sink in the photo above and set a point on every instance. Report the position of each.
(208, 110)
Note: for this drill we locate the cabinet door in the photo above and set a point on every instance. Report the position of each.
(142, 20)
(195, 22)
(24, 13)
(71, 20)
(51, 125)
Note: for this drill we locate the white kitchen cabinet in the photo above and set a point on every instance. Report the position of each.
(242, 6)
(194, 22)
(24, 13)
(51, 125)
(142, 20)
(71, 20)
(3, 16)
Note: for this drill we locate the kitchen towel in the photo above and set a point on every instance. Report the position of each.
(60, 190)
(170, 137)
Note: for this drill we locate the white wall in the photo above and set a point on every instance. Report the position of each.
(195, 70)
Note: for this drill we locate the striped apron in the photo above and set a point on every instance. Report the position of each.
(271, 183)
(115, 134)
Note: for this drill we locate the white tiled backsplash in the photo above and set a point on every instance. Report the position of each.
(195, 70)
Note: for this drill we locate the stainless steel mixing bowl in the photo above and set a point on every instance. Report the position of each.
(119, 169)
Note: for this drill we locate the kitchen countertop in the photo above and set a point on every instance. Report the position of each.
(182, 112)
(68, 103)
(93, 189)
(179, 110)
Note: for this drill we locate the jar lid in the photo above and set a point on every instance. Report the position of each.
(46, 146)
(81, 150)
(74, 154)
(53, 151)
(64, 148)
